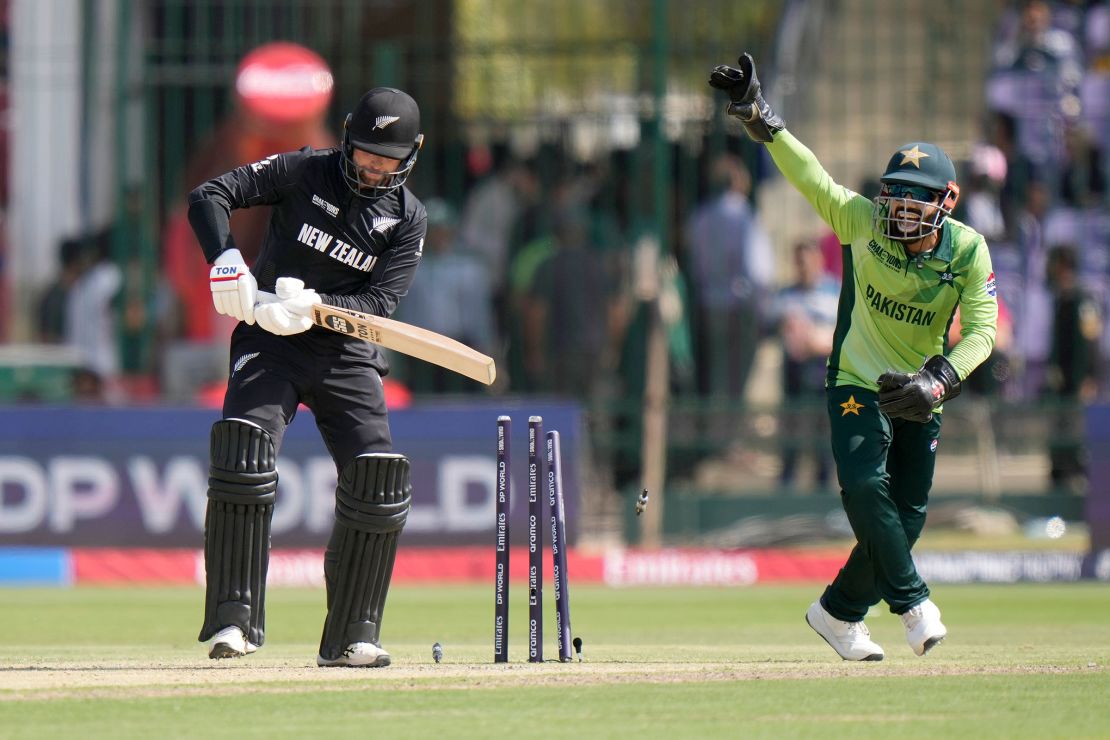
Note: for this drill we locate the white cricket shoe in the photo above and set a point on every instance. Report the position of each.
(230, 642)
(924, 630)
(851, 640)
(358, 655)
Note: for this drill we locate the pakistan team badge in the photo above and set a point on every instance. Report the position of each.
(851, 407)
(948, 277)
(912, 156)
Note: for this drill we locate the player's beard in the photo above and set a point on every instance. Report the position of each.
(369, 178)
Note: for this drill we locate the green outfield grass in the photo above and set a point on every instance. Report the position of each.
(1021, 661)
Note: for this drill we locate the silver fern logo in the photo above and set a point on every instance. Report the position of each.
(243, 361)
(383, 121)
(384, 223)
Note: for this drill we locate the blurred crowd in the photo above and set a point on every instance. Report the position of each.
(1037, 189)
(544, 269)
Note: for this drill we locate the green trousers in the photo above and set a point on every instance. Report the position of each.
(885, 469)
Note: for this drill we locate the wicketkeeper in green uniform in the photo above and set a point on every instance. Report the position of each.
(907, 267)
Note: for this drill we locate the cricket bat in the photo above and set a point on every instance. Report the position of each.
(408, 340)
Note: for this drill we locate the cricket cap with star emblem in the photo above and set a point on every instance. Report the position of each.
(920, 163)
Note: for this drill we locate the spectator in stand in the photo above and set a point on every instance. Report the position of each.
(1082, 179)
(982, 193)
(91, 321)
(1037, 45)
(452, 298)
(1029, 301)
(731, 265)
(981, 209)
(571, 192)
(490, 222)
(807, 318)
(1074, 366)
(1038, 68)
(1097, 38)
(52, 314)
(571, 317)
(1002, 134)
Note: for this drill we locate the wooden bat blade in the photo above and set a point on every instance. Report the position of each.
(408, 340)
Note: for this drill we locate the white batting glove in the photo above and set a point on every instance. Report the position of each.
(276, 319)
(234, 288)
(295, 297)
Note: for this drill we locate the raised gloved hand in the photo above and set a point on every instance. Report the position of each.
(913, 396)
(234, 289)
(760, 122)
(288, 312)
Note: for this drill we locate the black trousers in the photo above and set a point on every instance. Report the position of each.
(272, 375)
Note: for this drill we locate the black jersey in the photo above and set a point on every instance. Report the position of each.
(357, 253)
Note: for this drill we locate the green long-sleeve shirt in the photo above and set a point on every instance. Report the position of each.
(894, 311)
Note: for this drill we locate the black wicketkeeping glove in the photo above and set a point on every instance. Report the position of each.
(742, 86)
(913, 396)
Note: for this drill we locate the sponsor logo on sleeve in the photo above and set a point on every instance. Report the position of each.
(991, 286)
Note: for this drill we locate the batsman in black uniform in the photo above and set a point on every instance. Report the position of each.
(345, 231)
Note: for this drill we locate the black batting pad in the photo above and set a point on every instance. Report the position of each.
(242, 484)
(372, 502)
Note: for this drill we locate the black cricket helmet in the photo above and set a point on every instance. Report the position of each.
(919, 176)
(386, 122)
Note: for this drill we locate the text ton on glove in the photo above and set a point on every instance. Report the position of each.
(234, 288)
